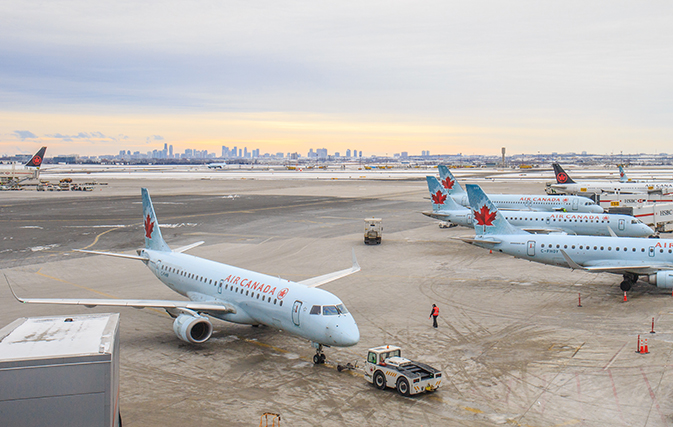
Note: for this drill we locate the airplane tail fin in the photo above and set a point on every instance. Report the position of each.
(449, 182)
(622, 174)
(153, 238)
(36, 160)
(441, 201)
(561, 175)
(486, 217)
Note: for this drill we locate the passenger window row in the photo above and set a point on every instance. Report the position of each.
(226, 287)
(588, 247)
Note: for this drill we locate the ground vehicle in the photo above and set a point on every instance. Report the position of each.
(373, 231)
(385, 367)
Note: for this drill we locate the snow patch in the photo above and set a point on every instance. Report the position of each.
(43, 248)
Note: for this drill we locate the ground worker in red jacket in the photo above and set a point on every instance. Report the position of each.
(434, 313)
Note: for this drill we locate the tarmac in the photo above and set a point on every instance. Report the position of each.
(512, 343)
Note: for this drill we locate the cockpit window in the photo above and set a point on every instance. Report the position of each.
(315, 309)
(342, 309)
(329, 310)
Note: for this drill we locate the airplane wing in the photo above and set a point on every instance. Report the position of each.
(329, 277)
(615, 266)
(543, 230)
(188, 247)
(475, 240)
(113, 254)
(213, 306)
(437, 215)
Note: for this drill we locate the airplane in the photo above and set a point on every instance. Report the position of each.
(633, 258)
(217, 165)
(521, 201)
(445, 208)
(18, 173)
(232, 294)
(566, 184)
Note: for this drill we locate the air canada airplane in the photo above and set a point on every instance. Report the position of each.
(30, 170)
(446, 209)
(520, 202)
(233, 294)
(651, 259)
(567, 185)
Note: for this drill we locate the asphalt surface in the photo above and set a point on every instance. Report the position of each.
(513, 344)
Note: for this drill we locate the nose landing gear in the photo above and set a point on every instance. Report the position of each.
(319, 357)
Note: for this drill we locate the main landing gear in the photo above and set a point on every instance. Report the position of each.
(629, 280)
(319, 357)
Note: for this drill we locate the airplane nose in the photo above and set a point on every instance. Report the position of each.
(348, 333)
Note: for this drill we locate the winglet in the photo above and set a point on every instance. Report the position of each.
(12, 290)
(572, 264)
(356, 266)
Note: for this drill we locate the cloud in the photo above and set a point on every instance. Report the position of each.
(85, 135)
(23, 134)
(158, 137)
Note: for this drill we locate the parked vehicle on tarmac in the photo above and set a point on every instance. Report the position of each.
(385, 367)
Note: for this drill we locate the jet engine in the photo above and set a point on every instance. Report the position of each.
(663, 279)
(193, 329)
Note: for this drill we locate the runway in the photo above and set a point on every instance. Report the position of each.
(514, 346)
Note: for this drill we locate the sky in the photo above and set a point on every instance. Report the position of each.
(382, 77)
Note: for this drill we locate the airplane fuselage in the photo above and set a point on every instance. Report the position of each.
(258, 298)
(614, 187)
(571, 223)
(586, 250)
(537, 203)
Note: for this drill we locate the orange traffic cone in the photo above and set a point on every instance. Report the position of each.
(625, 297)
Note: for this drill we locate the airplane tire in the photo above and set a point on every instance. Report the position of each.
(316, 359)
(322, 358)
(379, 380)
(625, 286)
(403, 387)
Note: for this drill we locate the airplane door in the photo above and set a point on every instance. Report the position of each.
(469, 218)
(219, 286)
(295, 312)
(575, 204)
(621, 224)
(651, 250)
(531, 248)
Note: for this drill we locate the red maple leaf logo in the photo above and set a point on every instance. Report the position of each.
(484, 216)
(621, 174)
(448, 183)
(282, 293)
(37, 160)
(438, 198)
(149, 226)
(561, 177)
